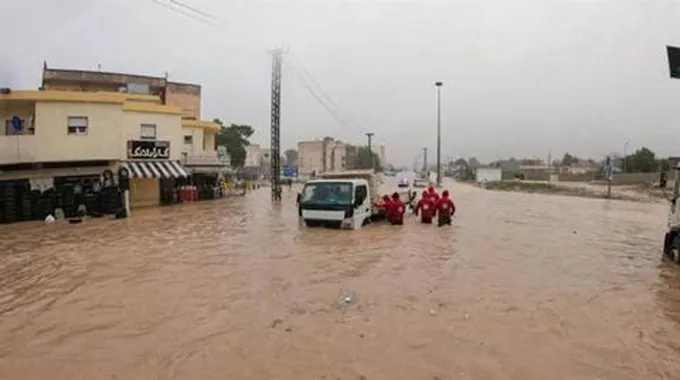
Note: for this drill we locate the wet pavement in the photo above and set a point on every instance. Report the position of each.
(523, 286)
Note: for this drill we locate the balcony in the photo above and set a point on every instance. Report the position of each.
(207, 161)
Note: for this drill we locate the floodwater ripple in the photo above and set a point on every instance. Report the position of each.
(523, 286)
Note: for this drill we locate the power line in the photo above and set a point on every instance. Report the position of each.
(318, 98)
(326, 102)
(180, 11)
(193, 9)
(313, 81)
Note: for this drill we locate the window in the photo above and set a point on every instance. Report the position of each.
(24, 126)
(188, 139)
(360, 193)
(336, 193)
(77, 125)
(148, 132)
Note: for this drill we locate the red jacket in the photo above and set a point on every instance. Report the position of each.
(446, 207)
(426, 208)
(395, 211)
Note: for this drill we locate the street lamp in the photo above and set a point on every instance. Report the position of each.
(438, 85)
(370, 151)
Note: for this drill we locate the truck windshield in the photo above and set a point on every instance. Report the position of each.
(337, 193)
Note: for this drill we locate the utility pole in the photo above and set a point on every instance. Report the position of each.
(549, 166)
(275, 142)
(425, 171)
(439, 132)
(370, 151)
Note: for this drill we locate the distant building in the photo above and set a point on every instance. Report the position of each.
(322, 156)
(258, 161)
(488, 175)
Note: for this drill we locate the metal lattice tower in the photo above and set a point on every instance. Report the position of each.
(275, 155)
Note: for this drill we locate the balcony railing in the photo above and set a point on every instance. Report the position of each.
(206, 159)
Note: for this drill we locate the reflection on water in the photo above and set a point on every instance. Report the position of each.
(521, 287)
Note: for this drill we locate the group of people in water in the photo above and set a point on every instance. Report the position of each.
(428, 206)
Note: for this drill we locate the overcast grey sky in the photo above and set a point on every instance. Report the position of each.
(520, 77)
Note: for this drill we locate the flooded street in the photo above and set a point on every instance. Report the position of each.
(523, 287)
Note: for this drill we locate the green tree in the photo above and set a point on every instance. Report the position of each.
(363, 159)
(643, 160)
(569, 160)
(235, 139)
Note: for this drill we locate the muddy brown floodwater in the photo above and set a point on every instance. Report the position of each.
(523, 286)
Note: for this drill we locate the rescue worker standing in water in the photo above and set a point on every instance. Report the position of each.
(396, 211)
(445, 209)
(386, 204)
(433, 194)
(426, 208)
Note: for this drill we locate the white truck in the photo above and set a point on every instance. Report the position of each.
(346, 200)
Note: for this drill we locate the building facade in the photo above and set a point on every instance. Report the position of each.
(330, 155)
(198, 149)
(56, 139)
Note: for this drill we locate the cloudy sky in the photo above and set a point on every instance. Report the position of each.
(520, 77)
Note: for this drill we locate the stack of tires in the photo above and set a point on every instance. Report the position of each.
(9, 202)
(24, 200)
(68, 202)
(35, 197)
(109, 200)
(47, 203)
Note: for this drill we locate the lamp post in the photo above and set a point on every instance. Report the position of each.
(438, 85)
(625, 156)
(370, 150)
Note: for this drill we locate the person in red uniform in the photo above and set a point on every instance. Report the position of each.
(396, 214)
(386, 204)
(426, 208)
(445, 209)
(433, 194)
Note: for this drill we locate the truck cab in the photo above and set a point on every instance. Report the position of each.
(336, 202)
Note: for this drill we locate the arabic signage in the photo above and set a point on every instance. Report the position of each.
(148, 150)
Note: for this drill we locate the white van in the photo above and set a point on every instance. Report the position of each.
(339, 203)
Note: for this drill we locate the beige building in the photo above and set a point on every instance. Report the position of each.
(257, 156)
(198, 147)
(329, 155)
(54, 135)
(320, 156)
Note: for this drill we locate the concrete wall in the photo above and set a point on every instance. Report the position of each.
(109, 128)
(310, 157)
(203, 142)
(185, 96)
(168, 128)
(51, 141)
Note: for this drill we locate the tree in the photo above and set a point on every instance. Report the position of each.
(474, 163)
(569, 160)
(363, 159)
(643, 160)
(292, 157)
(235, 139)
